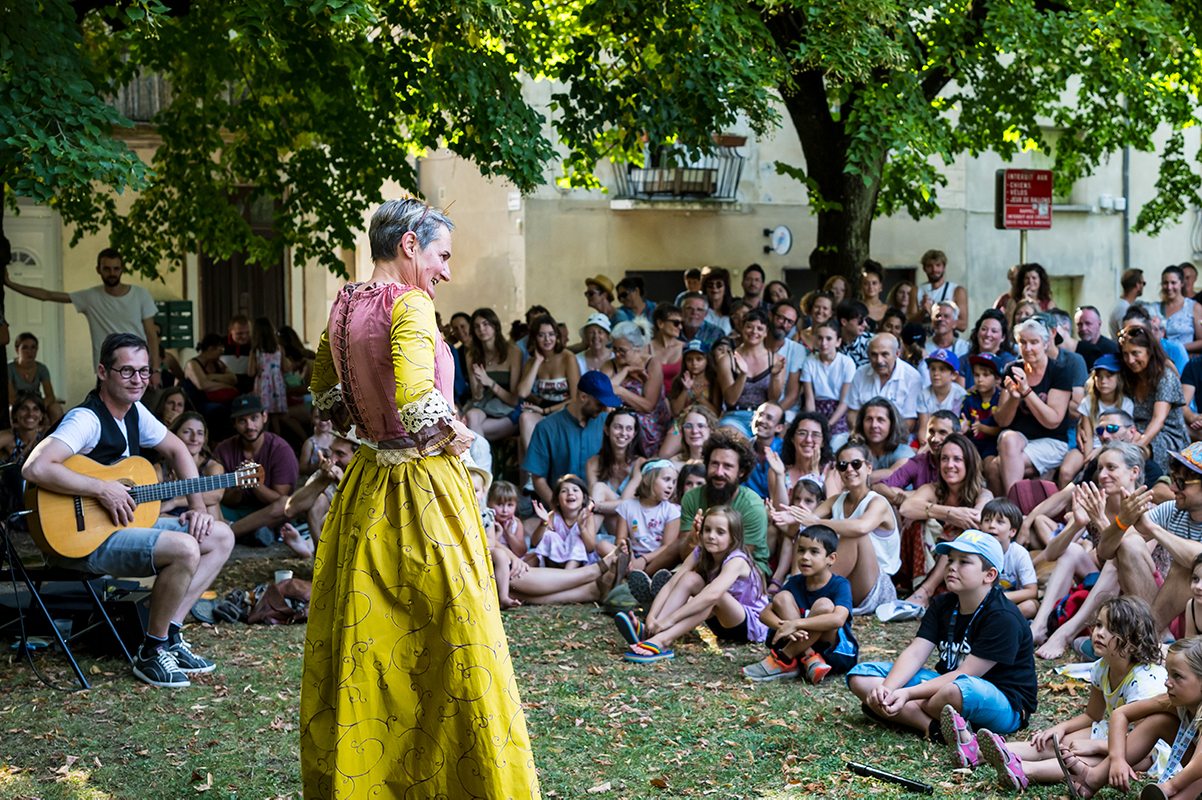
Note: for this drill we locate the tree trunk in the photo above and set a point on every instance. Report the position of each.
(844, 236)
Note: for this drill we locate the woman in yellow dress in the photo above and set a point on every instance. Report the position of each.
(408, 688)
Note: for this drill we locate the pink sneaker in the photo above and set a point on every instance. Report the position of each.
(1010, 774)
(950, 725)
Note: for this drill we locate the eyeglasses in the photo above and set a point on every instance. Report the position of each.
(1107, 429)
(786, 320)
(855, 464)
(716, 284)
(1179, 481)
(128, 372)
(800, 434)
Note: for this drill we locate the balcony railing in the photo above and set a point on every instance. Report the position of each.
(671, 175)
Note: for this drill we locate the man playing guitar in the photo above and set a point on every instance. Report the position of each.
(184, 555)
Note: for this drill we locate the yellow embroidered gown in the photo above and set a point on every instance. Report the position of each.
(408, 688)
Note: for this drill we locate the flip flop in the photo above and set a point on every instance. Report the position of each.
(1153, 792)
(1068, 775)
(655, 654)
(629, 626)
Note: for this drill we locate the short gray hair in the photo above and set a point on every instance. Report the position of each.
(1132, 455)
(637, 332)
(948, 304)
(395, 218)
(1034, 325)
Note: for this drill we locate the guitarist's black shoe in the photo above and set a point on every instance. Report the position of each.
(159, 668)
(189, 663)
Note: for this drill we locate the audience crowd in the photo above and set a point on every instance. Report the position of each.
(1025, 479)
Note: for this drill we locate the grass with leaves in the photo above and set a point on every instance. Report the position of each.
(602, 728)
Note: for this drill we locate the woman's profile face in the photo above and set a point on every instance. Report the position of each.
(1113, 473)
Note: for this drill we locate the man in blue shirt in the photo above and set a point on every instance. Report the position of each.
(563, 442)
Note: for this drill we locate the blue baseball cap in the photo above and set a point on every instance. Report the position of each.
(987, 360)
(596, 384)
(976, 543)
(944, 356)
(696, 346)
(1108, 362)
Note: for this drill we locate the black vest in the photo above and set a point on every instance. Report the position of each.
(111, 447)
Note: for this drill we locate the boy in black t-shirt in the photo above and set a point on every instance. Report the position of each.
(986, 668)
(810, 617)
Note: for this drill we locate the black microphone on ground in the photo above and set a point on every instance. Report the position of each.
(873, 772)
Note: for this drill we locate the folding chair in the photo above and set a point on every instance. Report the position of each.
(13, 569)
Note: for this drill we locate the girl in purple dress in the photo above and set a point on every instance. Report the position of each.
(718, 585)
(566, 535)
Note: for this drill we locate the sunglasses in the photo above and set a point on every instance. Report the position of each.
(1180, 481)
(673, 321)
(855, 464)
(593, 292)
(1107, 429)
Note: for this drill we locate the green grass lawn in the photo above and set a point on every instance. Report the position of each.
(601, 728)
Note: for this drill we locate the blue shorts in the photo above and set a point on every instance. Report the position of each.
(128, 553)
(841, 655)
(982, 703)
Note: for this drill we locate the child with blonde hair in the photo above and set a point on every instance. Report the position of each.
(503, 500)
(1103, 393)
(650, 523)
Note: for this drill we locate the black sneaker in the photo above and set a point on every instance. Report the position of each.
(159, 668)
(640, 587)
(189, 663)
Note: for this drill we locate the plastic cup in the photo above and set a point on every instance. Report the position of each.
(64, 628)
(282, 575)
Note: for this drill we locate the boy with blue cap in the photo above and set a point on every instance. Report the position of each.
(985, 674)
(942, 392)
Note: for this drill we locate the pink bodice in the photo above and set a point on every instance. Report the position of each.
(360, 334)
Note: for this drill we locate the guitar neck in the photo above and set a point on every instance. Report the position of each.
(163, 491)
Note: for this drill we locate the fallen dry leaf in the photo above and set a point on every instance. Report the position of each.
(600, 787)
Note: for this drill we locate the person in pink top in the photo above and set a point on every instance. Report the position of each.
(402, 582)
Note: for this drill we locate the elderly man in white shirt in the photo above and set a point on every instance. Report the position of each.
(885, 375)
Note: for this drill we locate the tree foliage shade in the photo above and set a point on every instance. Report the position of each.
(307, 107)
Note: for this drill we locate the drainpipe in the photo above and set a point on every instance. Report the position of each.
(1127, 207)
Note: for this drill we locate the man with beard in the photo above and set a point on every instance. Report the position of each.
(784, 319)
(111, 307)
(564, 441)
(728, 461)
(259, 511)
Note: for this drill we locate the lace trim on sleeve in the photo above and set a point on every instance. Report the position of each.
(428, 421)
(431, 410)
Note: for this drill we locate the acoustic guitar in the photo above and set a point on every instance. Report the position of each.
(73, 527)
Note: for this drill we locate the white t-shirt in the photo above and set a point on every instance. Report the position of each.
(646, 525)
(959, 347)
(929, 404)
(1017, 569)
(108, 314)
(945, 292)
(1143, 682)
(794, 354)
(80, 430)
(828, 379)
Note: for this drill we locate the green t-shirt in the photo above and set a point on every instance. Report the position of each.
(755, 520)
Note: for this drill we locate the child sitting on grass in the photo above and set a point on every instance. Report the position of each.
(718, 584)
(810, 617)
(1001, 519)
(1171, 718)
(503, 500)
(566, 535)
(985, 674)
(650, 523)
(1128, 670)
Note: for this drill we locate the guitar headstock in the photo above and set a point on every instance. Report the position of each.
(249, 475)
